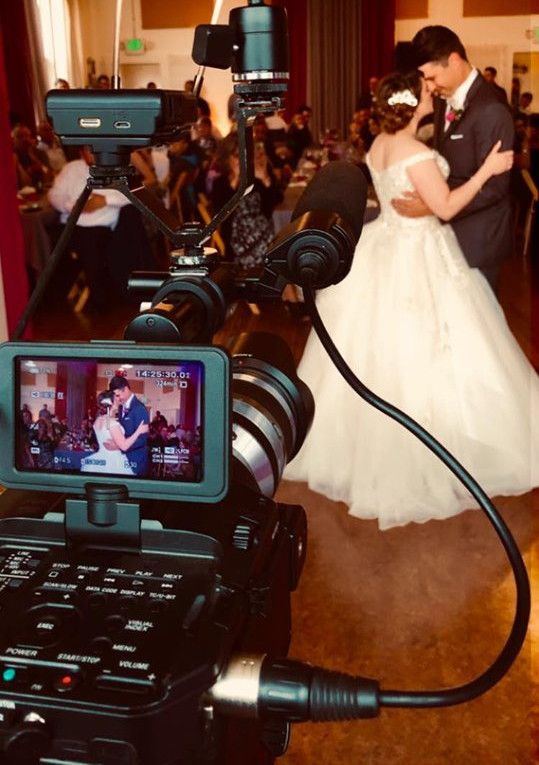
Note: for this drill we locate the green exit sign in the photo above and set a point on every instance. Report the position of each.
(134, 45)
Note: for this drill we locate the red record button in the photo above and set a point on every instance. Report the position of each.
(65, 682)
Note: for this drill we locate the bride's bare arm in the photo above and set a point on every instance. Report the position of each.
(120, 440)
(446, 203)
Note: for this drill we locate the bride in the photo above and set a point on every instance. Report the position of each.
(424, 331)
(107, 428)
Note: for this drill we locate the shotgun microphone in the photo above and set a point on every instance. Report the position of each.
(318, 245)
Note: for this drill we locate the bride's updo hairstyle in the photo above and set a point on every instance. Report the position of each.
(397, 97)
(105, 399)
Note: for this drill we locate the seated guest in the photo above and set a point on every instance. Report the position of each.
(103, 82)
(205, 140)
(521, 146)
(153, 167)
(61, 84)
(31, 164)
(524, 106)
(207, 146)
(49, 144)
(185, 163)
(248, 229)
(277, 126)
(109, 236)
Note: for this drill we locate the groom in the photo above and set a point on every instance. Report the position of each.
(469, 118)
(133, 412)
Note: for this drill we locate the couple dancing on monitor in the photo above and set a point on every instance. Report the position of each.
(121, 429)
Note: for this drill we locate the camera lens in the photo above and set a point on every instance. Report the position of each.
(272, 409)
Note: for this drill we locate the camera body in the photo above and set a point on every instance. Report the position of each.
(107, 653)
(124, 604)
(125, 594)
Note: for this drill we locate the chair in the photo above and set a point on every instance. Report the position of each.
(203, 207)
(184, 179)
(531, 209)
(79, 291)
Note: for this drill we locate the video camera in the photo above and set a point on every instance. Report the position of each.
(144, 603)
(145, 617)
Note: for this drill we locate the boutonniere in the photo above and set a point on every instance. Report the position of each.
(453, 115)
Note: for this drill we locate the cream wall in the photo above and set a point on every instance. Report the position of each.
(488, 41)
(166, 60)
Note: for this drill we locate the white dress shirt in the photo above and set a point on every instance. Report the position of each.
(67, 188)
(456, 101)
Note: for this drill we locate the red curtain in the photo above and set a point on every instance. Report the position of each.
(17, 61)
(297, 11)
(12, 258)
(377, 39)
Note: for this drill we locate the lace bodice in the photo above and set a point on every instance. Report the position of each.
(103, 433)
(391, 182)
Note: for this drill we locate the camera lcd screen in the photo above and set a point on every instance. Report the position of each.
(99, 417)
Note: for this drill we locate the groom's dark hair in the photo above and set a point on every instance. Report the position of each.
(435, 44)
(119, 383)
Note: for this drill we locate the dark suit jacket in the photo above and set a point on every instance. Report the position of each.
(484, 227)
(137, 454)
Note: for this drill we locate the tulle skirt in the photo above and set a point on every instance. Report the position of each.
(425, 332)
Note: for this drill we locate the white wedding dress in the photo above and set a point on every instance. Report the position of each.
(425, 332)
(110, 461)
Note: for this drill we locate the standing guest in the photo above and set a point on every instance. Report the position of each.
(489, 73)
(424, 331)
(515, 93)
(468, 120)
(50, 145)
(44, 412)
(299, 133)
(367, 99)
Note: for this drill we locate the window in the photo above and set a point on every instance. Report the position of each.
(53, 22)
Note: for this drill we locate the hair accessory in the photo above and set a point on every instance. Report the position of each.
(403, 97)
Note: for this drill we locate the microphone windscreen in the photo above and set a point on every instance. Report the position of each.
(339, 187)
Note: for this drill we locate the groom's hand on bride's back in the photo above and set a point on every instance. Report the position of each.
(410, 205)
(110, 445)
